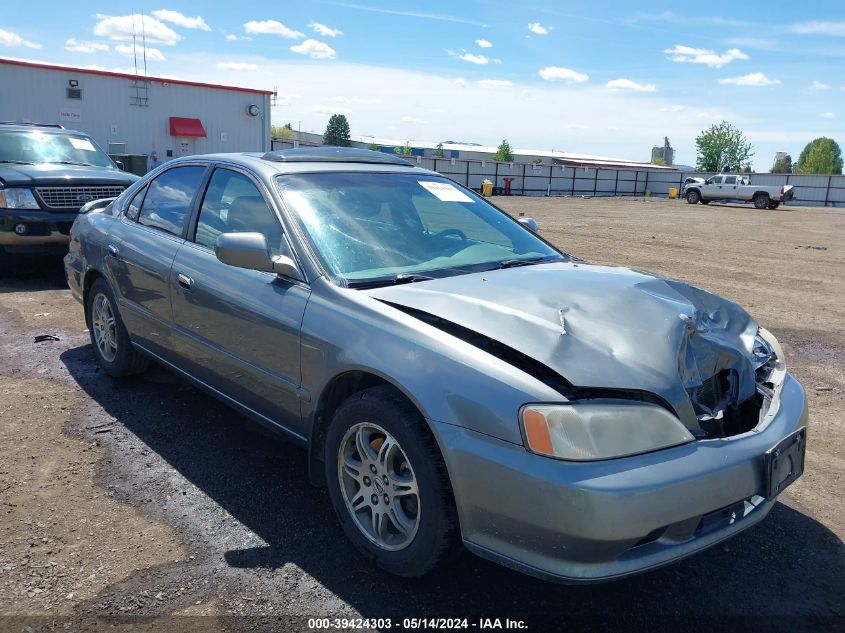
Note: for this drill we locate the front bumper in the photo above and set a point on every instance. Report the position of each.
(46, 232)
(595, 521)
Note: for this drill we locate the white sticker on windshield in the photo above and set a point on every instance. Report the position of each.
(82, 143)
(445, 192)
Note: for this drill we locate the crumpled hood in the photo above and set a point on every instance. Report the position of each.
(57, 175)
(599, 326)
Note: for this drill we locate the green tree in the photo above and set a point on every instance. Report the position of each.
(281, 131)
(403, 150)
(373, 147)
(722, 147)
(782, 165)
(504, 152)
(337, 131)
(439, 151)
(821, 156)
(658, 161)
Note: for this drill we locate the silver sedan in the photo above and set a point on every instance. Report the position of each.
(455, 378)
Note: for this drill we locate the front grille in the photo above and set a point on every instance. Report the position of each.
(69, 197)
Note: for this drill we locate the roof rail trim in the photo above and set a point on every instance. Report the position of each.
(334, 155)
(27, 123)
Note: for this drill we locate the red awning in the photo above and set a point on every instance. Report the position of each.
(181, 126)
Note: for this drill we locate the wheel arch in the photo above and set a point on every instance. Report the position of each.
(333, 394)
(89, 277)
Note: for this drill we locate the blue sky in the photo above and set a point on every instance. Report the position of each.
(609, 78)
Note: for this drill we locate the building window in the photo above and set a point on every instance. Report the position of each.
(74, 93)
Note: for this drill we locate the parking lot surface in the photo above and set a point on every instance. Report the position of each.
(146, 497)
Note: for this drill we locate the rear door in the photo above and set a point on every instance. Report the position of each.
(729, 187)
(238, 330)
(141, 249)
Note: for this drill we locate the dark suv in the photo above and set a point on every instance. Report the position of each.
(47, 173)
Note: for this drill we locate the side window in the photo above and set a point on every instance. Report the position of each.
(168, 199)
(714, 180)
(730, 180)
(233, 204)
(134, 206)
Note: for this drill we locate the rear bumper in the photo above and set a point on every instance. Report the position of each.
(590, 522)
(45, 232)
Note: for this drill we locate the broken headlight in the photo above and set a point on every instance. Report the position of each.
(768, 358)
(600, 430)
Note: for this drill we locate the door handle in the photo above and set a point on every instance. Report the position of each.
(184, 281)
(113, 250)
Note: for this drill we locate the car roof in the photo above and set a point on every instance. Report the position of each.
(318, 159)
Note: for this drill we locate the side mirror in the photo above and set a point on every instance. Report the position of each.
(119, 165)
(530, 223)
(250, 251)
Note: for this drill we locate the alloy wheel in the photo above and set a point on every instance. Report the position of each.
(378, 486)
(104, 327)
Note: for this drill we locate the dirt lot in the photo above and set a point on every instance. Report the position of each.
(145, 497)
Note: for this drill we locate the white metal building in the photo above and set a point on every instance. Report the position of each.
(158, 117)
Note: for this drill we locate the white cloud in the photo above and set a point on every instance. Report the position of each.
(271, 27)
(538, 29)
(412, 119)
(239, 66)
(628, 84)
(7, 38)
(496, 60)
(829, 115)
(174, 17)
(751, 79)
(122, 28)
(238, 38)
(321, 109)
(77, 46)
(337, 99)
(710, 115)
(484, 43)
(472, 58)
(494, 83)
(462, 83)
(674, 108)
(575, 126)
(833, 29)
(127, 50)
(557, 73)
(286, 99)
(688, 54)
(366, 100)
(325, 31)
(818, 85)
(314, 49)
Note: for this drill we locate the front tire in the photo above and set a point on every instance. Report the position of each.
(761, 200)
(693, 197)
(388, 483)
(112, 348)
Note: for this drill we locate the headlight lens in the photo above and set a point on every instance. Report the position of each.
(600, 430)
(17, 199)
(768, 358)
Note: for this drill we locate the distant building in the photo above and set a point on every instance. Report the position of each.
(664, 153)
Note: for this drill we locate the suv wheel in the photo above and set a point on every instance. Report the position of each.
(693, 197)
(112, 348)
(388, 483)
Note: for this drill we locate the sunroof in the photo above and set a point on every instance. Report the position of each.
(333, 155)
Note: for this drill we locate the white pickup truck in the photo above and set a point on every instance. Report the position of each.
(730, 187)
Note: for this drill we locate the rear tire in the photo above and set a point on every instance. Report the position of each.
(693, 197)
(761, 200)
(112, 348)
(774, 205)
(382, 461)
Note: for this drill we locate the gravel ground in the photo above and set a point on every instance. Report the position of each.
(143, 499)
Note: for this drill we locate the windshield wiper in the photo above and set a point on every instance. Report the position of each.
(68, 162)
(16, 162)
(395, 280)
(513, 263)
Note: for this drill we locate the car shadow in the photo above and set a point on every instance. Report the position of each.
(788, 565)
(32, 273)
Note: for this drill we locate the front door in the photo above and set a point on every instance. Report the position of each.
(237, 330)
(140, 254)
